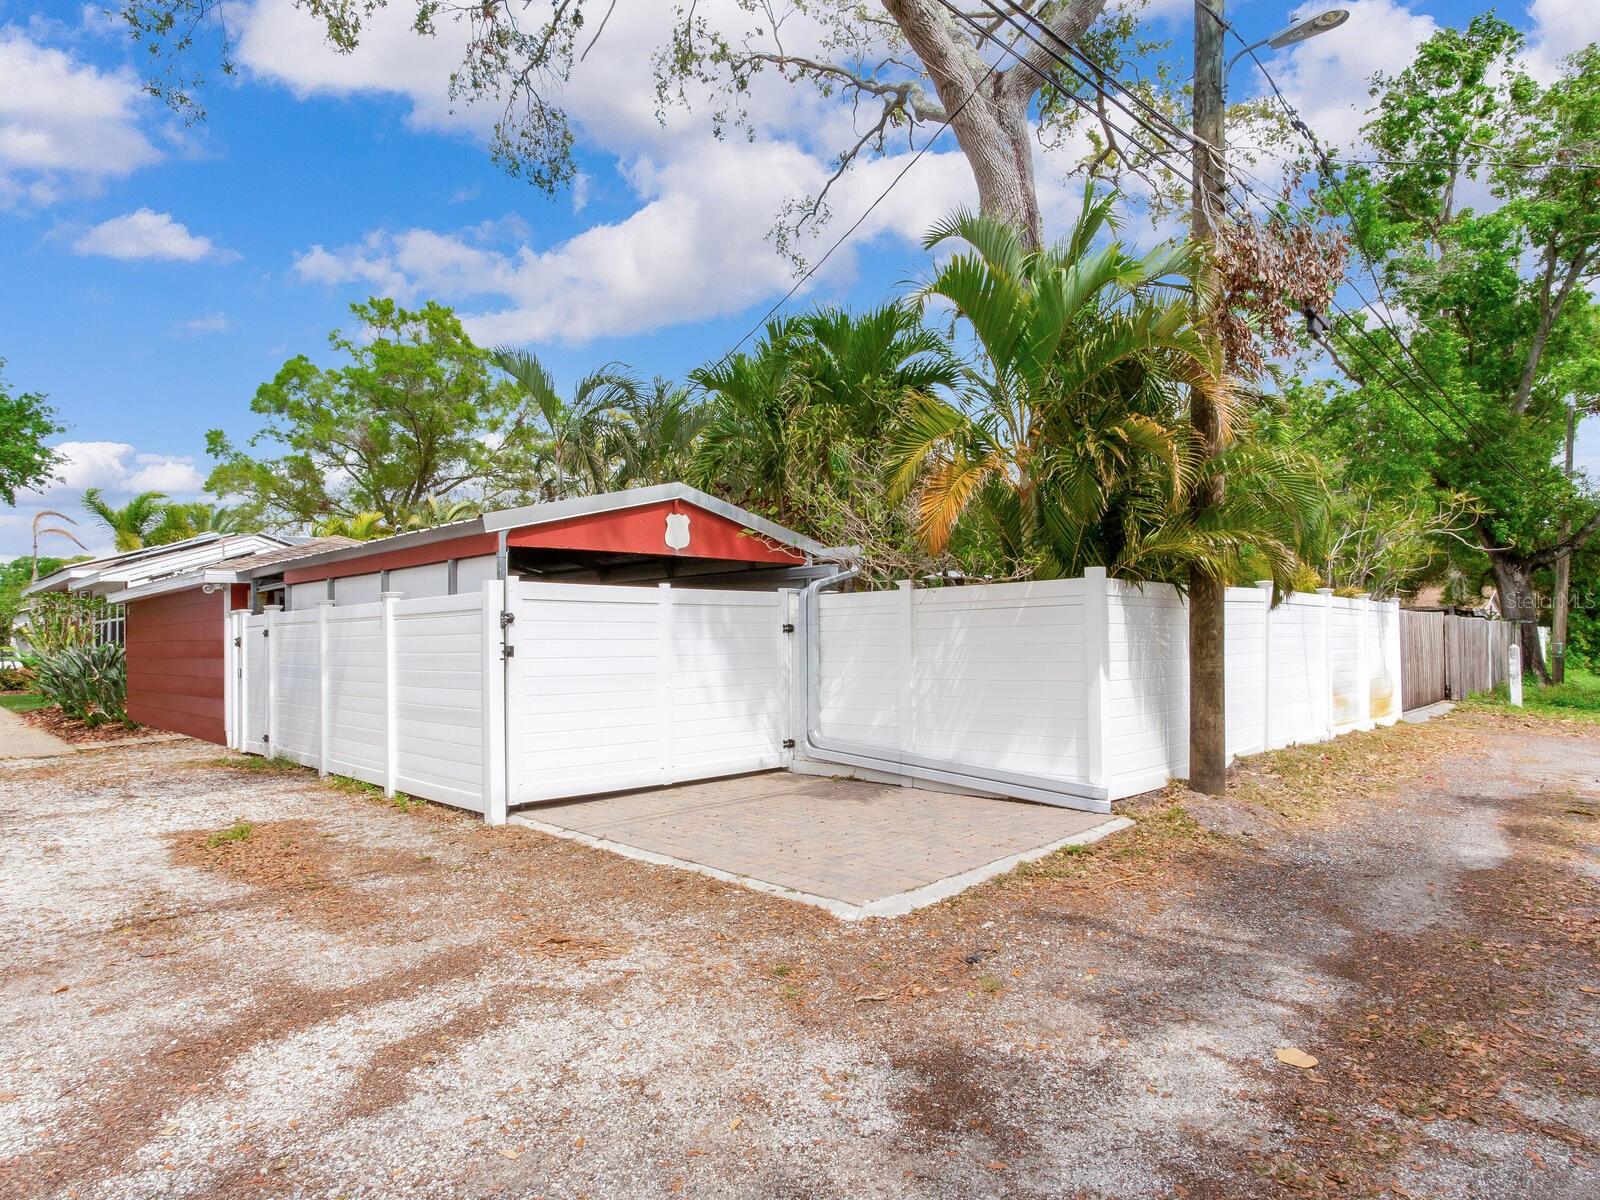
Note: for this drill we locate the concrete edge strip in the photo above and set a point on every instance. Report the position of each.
(897, 905)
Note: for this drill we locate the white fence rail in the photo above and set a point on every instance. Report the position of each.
(1085, 681)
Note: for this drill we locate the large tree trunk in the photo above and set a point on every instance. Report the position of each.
(1513, 579)
(989, 109)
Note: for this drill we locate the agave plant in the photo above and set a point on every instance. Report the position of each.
(88, 683)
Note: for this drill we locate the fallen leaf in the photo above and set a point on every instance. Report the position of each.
(736, 1122)
(513, 1155)
(60, 989)
(1295, 1058)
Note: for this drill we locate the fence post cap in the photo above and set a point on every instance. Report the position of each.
(325, 603)
(1324, 591)
(266, 608)
(1264, 585)
(391, 595)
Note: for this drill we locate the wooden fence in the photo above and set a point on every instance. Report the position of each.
(1447, 657)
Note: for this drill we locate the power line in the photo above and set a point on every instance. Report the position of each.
(1474, 430)
(1465, 420)
(856, 224)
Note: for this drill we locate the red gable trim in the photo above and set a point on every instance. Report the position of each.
(644, 530)
(411, 556)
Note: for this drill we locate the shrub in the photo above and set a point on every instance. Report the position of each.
(16, 679)
(89, 683)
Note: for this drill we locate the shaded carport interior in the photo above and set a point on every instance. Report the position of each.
(855, 848)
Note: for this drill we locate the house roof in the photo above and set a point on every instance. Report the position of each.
(563, 510)
(118, 572)
(236, 569)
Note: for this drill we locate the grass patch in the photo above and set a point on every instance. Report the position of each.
(992, 984)
(1577, 698)
(21, 702)
(239, 831)
(360, 787)
(256, 765)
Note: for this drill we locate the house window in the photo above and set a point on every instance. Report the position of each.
(110, 625)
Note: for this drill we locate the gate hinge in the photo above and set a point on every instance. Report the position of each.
(788, 743)
(238, 641)
(788, 627)
(266, 633)
(265, 738)
(507, 619)
(508, 651)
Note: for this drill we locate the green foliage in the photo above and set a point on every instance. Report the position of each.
(799, 429)
(25, 422)
(88, 683)
(414, 411)
(59, 621)
(1502, 317)
(17, 679)
(14, 576)
(133, 525)
(1067, 445)
(239, 831)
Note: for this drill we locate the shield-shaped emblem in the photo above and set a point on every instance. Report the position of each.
(678, 530)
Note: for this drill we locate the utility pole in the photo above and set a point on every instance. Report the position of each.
(1208, 761)
(1558, 620)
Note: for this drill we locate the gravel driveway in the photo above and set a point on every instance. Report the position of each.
(349, 999)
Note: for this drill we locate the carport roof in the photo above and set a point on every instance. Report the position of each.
(562, 510)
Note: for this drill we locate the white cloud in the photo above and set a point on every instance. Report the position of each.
(1560, 27)
(212, 322)
(144, 234)
(120, 468)
(64, 124)
(1326, 77)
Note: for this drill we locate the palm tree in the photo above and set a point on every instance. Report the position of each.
(576, 458)
(433, 511)
(654, 439)
(40, 531)
(1065, 445)
(362, 526)
(133, 523)
(180, 521)
(814, 406)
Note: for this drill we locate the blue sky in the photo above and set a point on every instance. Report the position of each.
(159, 272)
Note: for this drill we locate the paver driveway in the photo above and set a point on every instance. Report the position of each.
(358, 1001)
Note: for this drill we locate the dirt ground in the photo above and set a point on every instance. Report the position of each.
(226, 982)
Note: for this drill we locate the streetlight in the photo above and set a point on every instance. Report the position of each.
(1299, 31)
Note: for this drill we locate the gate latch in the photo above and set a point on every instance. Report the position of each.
(507, 619)
(508, 651)
(788, 627)
(788, 743)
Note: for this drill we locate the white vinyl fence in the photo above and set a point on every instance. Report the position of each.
(523, 693)
(1085, 681)
(537, 691)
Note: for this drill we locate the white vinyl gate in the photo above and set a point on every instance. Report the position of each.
(562, 690)
(626, 687)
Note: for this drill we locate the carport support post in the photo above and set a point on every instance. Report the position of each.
(495, 666)
(665, 728)
(1096, 664)
(391, 698)
(324, 716)
(1265, 587)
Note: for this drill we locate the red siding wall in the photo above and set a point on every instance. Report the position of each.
(175, 663)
